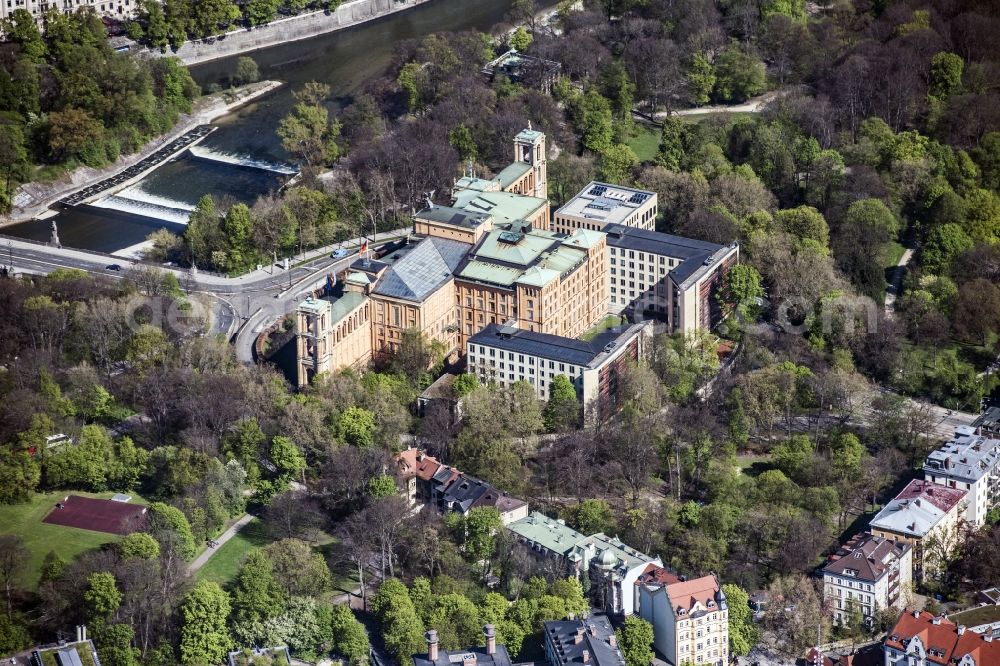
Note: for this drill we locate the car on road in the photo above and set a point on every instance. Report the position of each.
(340, 254)
(113, 267)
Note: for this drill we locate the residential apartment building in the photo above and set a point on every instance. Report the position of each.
(611, 566)
(506, 354)
(969, 462)
(921, 639)
(599, 205)
(491, 654)
(589, 641)
(427, 482)
(873, 572)
(988, 423)
(117, 9)
(919, 515)
(543, 281)
(690, 618)
(667, 277)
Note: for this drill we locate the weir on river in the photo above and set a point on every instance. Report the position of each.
(243, 159)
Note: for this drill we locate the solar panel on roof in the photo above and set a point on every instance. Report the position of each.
(638, 198)
(598, 190)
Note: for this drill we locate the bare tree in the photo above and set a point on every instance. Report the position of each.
(14, 557)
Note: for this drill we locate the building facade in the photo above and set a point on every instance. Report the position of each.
(969, 462)
(542, 281)
(872, 572)
(690, 618)
(921, 639)
(116, 9)
(922, 514)
(667, 277)
(599, 205)
(506, 354)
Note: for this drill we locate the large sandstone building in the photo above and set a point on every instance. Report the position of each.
(493, 257)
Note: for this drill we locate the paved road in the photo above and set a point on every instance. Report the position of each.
(202, 559)
(270, 292)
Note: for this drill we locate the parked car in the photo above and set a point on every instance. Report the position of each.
(113, 267)
(340, 254)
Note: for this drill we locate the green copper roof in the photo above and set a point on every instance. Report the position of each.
(514, 248)
(483, 272)
(563, 259)
(586, 238)
(528, 135)
(513, 173)
(474, 183)
(503, 206)
(538, 277)
(344, 305)
(551, 534)
(357, 277)
(315, 305)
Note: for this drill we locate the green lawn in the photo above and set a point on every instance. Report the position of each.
(25, 520)
(222, 566)
(608, 322)
(646, 142)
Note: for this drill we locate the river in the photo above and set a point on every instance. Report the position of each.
(243, 159)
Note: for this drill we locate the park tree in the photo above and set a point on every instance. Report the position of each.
(102, 597)
(617, 162)
(946, 74)
(19, 475)
(701, 79)
(308, 132)
(594, 121)
(261, 12)
(210, 17)
(246, 71)
(356, 426)
(204, 636)
(738, 74)
(257, 595)
(520, 40)
(943, 245)
(139, 545)
(298, 569)
(977, 311)
(562, 411)
(382, 486)
(349, 636)
(635, 638)
(287, 457)
(670, 154)
(402, 630)
(170, 527)
(743, 632)
(14, 558)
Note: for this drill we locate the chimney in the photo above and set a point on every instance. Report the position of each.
(491, 639)
(83, 630)
(432, 644)
(960, 629)
(469, 659)
(988, 638)
(613, 640)
(586, 656)
(79, 633)
(578, 638)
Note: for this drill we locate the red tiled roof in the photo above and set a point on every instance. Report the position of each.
(656, 575)
(941, 638)
(942, 497)
(685, 594)
(414, 462)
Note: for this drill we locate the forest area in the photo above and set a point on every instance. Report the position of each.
(885, 135)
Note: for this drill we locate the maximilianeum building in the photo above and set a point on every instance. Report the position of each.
(493, 260)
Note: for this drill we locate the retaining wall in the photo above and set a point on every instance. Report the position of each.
(286, 30)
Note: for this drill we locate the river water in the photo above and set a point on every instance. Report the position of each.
(243, 159)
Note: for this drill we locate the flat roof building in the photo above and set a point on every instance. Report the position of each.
(669, 277)
(506, 354)
(969, 462)
(491, 654)
(600, 204)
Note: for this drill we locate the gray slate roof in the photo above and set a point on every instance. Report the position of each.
(422, 270)
(692, 253)
(553, 347)
(595, 635)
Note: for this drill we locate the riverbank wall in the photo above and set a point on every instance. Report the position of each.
(291, 29)
(31, 200)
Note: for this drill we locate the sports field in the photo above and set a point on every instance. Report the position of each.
(25, 520)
